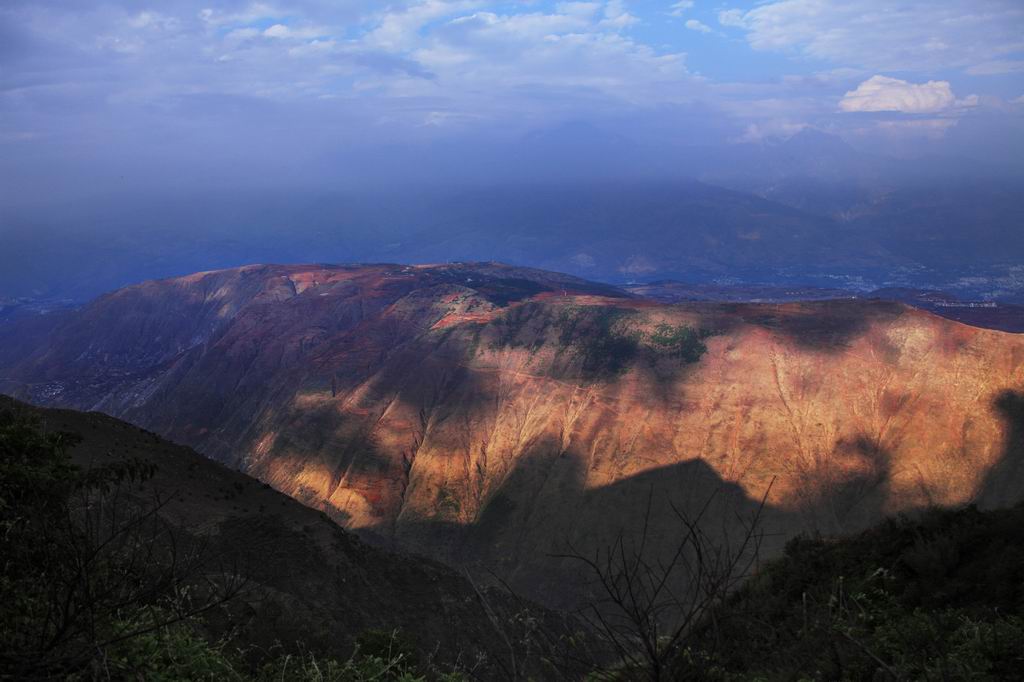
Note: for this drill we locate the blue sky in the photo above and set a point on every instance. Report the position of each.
(131, 88)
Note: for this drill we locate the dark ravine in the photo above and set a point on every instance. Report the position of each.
(486, 415)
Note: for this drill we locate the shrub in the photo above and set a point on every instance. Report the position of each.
(601, 338)
(681, 341)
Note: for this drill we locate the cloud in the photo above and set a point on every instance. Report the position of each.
(678, 9)
(616, 16)
(732, 18)
(997, 67)
(881, 93)
(931, 128)
(464, 56)
(197, 79)
(252, 12)
(698, 26)
(969, 101)
(305, 32)
(519, 64)
(154, 20)
(914, 35)
(773, 130)
(277, 31)
(398, 29)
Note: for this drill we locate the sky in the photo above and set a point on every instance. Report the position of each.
(97, 97)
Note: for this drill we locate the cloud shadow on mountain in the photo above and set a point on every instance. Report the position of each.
(1002, 485)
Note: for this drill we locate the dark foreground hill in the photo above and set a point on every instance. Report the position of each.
(299, 582)
(938, 595)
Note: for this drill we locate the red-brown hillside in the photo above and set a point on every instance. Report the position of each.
(483, 413)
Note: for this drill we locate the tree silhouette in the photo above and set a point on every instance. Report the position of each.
(648, 602)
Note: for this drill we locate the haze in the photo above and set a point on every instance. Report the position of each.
(127, 125)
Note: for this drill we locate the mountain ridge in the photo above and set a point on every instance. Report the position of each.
(486, 414)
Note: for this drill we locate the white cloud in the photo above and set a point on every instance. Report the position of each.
(931, 128)
(283, 31)
(997, 67)
(912, 35)
(616, 17)
(239, 34)
(461, 63)
(398, 29)
(154, 20)
(500, 54)
(731, 17)
(678, 9)
(313, 48)
(698, 26)
(419, 61)
(881, 93)
(253, 12)
(758, 132)
(277, 31)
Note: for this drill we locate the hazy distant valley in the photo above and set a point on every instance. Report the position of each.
(810, 211)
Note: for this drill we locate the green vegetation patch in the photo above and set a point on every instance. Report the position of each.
(380, 655)
(524, 326)
(502, 291)
(938, 597)
(681, 341)
(602, 337)
(608, 339)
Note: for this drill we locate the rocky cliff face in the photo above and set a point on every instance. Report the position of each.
(491, 415)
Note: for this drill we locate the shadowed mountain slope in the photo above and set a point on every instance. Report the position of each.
(309, 583)
(481, 413)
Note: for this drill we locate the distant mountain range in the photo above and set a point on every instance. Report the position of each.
(807, 211)
(1003, 316)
